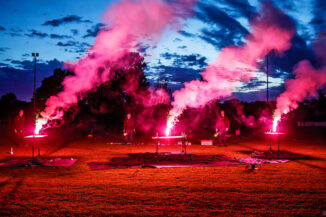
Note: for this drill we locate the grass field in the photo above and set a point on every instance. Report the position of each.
(285, 189)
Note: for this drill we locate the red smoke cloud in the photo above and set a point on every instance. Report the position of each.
(271, 30)
(307, 81)
(129, 24)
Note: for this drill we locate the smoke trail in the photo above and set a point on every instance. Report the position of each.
(307, 81)
(271, 30)
(129, 23)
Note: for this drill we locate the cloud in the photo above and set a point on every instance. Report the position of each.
(282, 66)
(33, 33)
(56, 36)
(175, 75)
(221, 38)
(74, 46)
(2, 28)
(17, 76)
(3, 49)
(186, 61)
(92, 32)
(15, 32)
(253, 84)
(36, 34)
(240, 7)
(319, 19)
(74, 31)
(142, 48)
(186, 34)
(3, 65)
(222, 29)
(65, 20)
(259, 95)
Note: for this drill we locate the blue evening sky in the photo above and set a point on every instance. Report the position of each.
(62, 30)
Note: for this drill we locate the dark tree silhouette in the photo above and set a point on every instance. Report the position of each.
(50, 86)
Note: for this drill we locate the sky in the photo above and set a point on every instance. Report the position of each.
(63, 30)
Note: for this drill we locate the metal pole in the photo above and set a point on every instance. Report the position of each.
(185, 145)
(278, 143)
(34, 84)
(270, 143)
(267, 78)
(157, 141)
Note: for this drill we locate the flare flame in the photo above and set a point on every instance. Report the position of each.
(38, 126)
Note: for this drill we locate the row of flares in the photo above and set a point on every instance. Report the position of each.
(169, 126)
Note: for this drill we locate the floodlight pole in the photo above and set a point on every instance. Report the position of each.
(34, 86)
(267, 78)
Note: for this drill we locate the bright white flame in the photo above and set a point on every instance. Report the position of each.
(275, 122)
(169, 126)
(39, 124)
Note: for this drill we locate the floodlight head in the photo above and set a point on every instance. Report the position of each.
(33, 54)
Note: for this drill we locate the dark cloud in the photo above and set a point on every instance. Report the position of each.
(192, 60)
(176, 75)
(182, 47)
(3, 49)
(260, 95)
(186, 34)
(2, 28)
(74, 31)
(281, 66)
(33, 33)
(221, 38)
(94, 30)
(286, 4)
(240, 7)
(3, 65)
(65, 20)
(67, 44)
(74, 46)
(253, 84)
(56, 36)
(177, 40)
(222, 29)
(142, 48)
(15, 32)
(41, 65)
(319, 12)
(17, 77)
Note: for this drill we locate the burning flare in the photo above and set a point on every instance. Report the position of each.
(275, 122)
(38, 126)
(236, 64)
(169, 126)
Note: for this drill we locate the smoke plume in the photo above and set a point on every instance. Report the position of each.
(307, 81)
(270, 30)
(128, 24)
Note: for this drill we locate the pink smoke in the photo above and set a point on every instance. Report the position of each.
(306, 82)
(235, 64)
(129, 24)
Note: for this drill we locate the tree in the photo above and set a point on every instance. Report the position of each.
(50, 86)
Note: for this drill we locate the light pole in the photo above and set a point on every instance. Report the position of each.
(34, 86)
(267, 78)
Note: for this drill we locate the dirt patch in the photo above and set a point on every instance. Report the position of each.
(164, 160)
(52, 162)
